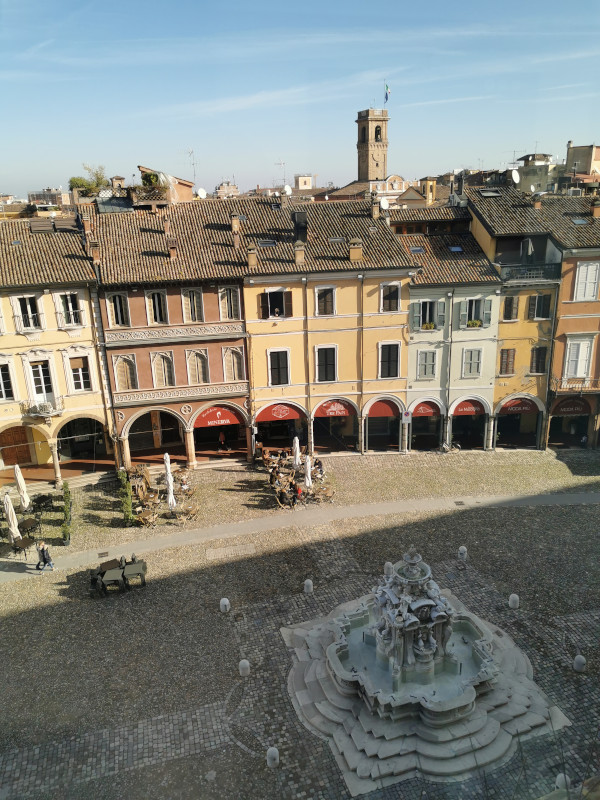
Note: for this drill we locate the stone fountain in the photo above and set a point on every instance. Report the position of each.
(407, 681)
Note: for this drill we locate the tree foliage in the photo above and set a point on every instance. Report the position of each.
(95, 180)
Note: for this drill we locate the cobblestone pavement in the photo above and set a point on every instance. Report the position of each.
(138, 694)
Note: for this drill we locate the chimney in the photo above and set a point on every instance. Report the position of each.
(569, 145)
(167, 224)
(596, 209)
(537, 203)
(451, 185)
(300, 220)
(87, 225)
(172, 245)
(252, 256)
(95, 251)
(375, 206)
(356, 250)
(299, 253)
(235, 223)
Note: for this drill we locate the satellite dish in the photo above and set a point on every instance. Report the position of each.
(515, 176)
(326, 197)
(52, 214)
(385, 203)
(201, 193)
(276, 194)
(532, 187)
(287, 189)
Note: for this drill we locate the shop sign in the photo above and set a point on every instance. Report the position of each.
(426, 409)
(278, 412)
(216, 415)
(335, 408)
(469, 408)
(571, 407)
(519, 405)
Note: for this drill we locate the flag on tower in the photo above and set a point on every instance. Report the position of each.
(388, 91)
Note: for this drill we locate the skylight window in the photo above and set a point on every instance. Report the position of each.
(490, 193)
(455, 248)
(276, 206)
(417, 249)
(243, 218)
(267, 243)
(580, 221)
(336, 240)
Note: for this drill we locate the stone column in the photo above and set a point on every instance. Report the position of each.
(489, 434)
(447, 429)
(309, 432)
(156, 432)
(361, 435)
(403, 438)
(249, 453)
(125, 452)
(190, 449)
(56, 464)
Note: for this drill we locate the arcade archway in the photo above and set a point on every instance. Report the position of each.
(220, 429)
(382, 426)
(335, 426)
(519, 424)
(426, 426)
(277, 425)
(469, 424)
(569, 423)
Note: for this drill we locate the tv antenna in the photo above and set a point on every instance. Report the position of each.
(282, 165)
(192, 162)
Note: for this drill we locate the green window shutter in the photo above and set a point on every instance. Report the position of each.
(416, 316)
(441, 313)
(463, 311)
(532, 306)
(487, 313)
(515, 308)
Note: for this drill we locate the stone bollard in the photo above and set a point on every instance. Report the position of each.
(388, 569)
(513, 601)
(579, 663)
(562, 781)
(272, 757)
(244, 668)
(224, 605)
(308, 586)
(462, 553)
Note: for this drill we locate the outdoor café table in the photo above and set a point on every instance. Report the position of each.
(28, 525)
(114, 563)
(23, 545)
(138, 485)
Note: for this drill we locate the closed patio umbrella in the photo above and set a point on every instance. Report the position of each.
(296, 452)
(171, 502)
(11, 518)
(167, 460)
(307, 477)
(22, 488)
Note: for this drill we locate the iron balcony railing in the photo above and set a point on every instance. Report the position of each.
(75, 317)
(531, 272)
(575, 384)
(48, 408)
(25, 323)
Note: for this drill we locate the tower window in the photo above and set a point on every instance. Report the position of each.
(363, 134)
(378, 133)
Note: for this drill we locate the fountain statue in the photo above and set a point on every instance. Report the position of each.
(406, 680)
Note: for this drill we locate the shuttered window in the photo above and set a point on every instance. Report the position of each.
(119, 311)
(507, 361)
(164, 374)
(275, 304)
(537, 364)
(198, 366)
(126, 374)
(578, 358)
(511, 308)
(157, 308)
(229, 302)
(80, 370)
(539, 306)
(192, 306)
(279, 368)
(586, 282)
(325, 302)
(471, 363)
(426, 364)
(233, 364)
(390, 297)
(71, 311)
(389, 364)
(326, 364)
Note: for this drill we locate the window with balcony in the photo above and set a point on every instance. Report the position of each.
(192, 306)
(275, 303)
(118, 310)
(157, 308)
(426, 361)
(471, 363)
(326, 364)
(80, 371)
(537, 365)
(197, 361)
(578, 358)
(6, 389)
(229, 302)
(475, 313)
(539, 306)
(507, 361)
(162, 367)
(389, 360)
(325, 301)
(233, 364)
(390, 297)
(586, 281)
(71, 311)
(279, 368)
(29, 318)
(125, 373)
(42, 382)
(428, 315)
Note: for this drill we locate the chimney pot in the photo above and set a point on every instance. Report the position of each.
(537, 203)
(172, 245)
(375, 206)
(356, 250)
(252, 256)
(236, 240)
(235, 223)
(596, 209)
(167, 225)
(299, 253)
(95, 251)
(87, 225)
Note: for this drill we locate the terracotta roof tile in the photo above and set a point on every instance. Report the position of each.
(505, 211)
(442, 266)
(41, 259)
(559, 212)
(428, 213)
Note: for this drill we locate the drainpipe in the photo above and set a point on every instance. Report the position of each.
(542, 444)
(447, 426)
(361, 420)
(309, 420)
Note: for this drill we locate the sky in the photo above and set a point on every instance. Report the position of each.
(255, 92)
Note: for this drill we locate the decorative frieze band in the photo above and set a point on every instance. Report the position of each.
(151, 334)
(187, 392)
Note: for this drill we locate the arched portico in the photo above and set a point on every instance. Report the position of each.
(277, 424)
(519, 422)
(427, 423)
(469, 423)
(148, 434)
(220, 428)
(381, 419)
(335, 425)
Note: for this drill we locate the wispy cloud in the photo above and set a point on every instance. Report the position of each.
(563, 86)
(448, 100)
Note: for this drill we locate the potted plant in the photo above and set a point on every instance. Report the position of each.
(474, 323)
(66, 533)
(428, 326)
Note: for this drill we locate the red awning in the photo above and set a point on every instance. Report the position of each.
(335, 408)
(571, 407)
(278, 412)
(519, 405)
(426, 409)
(218, 415)
(468, 408)
(384, 408)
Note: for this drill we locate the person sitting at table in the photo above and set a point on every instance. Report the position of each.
(272, 477)
(296, 490)
(318, 469)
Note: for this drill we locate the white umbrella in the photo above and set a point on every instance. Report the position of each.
(307, 473)
(296, 452)
(167, 460)
(171, 502)
(11, 518)
(22, 488)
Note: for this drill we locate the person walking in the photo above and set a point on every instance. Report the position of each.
(46, 556)
(39, 546)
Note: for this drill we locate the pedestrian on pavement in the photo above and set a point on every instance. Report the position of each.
(47, 558)
(39, 546)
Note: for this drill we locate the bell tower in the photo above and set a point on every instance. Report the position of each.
(372, 144)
